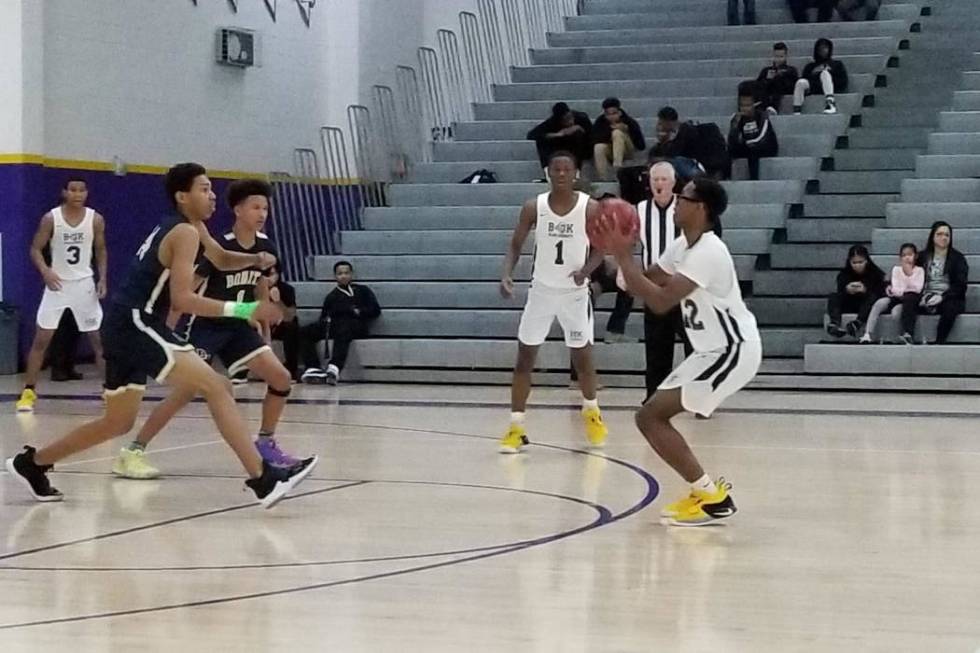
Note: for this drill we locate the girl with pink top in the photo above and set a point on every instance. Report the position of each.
(905, 289)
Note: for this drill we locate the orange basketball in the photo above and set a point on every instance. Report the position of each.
(622, 212)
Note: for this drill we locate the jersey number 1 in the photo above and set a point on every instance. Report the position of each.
(559, 260)
(74, 254)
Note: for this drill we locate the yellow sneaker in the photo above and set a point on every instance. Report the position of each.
(514, 440)
(26, 402)
(595, 429)
(683, 505)
(708, 509)
(132, 464)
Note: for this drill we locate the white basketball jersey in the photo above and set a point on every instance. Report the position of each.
(561, 246)
(71, 247)
(715, 317)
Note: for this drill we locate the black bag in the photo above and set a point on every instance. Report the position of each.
(480, 177)
(634, 183)
(712, 150)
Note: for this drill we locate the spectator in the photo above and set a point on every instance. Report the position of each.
(859, 285)
(751, 135)
(566, 130)
(749, 6)
(798, 8)
(905, 289)
(824, 75)
(852, 10)
(946, 273)
(674, 140)
(776, 80)
(287, 331)
(347, 311)
(616, 136)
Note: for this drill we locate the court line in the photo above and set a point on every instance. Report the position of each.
(422, 403)
(652, 490)
(603, 512)
(167, 522)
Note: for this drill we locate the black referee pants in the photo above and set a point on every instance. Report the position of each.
(659, 335)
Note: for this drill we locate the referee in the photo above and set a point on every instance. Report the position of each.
(657, 231)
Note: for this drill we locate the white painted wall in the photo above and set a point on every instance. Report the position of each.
(21, 69)
(137, 79)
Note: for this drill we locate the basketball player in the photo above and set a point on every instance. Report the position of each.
(139, 344)
(236, 342)
(74, 232)
(559, 289)
(697, 273)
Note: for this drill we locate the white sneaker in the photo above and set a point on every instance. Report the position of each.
(865, 339)
(831, 106)
(314, 375)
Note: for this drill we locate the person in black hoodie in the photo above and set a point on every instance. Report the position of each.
(776, 80)
(859, 285)
(946, 277)
(751, 135)
(565, 130)
(824, 75)
(615, 136)
(347, 311)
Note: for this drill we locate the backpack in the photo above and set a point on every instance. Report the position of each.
(712, 150)
(634, 183)
(479, 177)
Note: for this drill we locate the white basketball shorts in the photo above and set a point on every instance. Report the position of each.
(708, 378)
(572, 308)
(80, 297)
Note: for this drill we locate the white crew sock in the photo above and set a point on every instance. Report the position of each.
(517, 418)
(704, 484)
(590, 404)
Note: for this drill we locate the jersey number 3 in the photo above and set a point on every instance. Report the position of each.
(74, 254)
(691, 316)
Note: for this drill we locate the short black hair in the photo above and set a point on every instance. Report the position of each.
(563, 154)
(74, 177)
(780, 46)
(180, 178)
(713, 195)
(611, 103)
(915, 250)
(242, 189)
(340, 264)
(668, 113)
(559, 109)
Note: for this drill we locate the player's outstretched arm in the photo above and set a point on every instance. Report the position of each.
(178, 252)
(225, 260)
(524, 225)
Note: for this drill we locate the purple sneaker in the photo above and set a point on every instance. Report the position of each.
(272, 454)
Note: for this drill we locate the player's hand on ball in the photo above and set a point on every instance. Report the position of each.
(267, 312)
(507, 287)
(266, 260)
(52, 280)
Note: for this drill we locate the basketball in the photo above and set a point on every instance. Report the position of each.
(622, 212)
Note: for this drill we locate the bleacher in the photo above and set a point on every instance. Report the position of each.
(434, 254)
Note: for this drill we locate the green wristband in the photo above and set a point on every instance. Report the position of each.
(240, 310)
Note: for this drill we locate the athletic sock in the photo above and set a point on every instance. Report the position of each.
(590, 404)
(136, 445)
(704, 484)
(266, 435)
(517, 418)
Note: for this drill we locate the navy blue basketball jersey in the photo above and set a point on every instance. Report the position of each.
(235, 285)
(147, 283)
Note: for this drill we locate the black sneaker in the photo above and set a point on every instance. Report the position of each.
(314, 376)
(33, 476)
(853, 328)
(834, 329)
(276, 482)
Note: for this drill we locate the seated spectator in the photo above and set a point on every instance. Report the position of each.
(566, 130)
(616, 136)
(347, 311)
(852, 10)
(749, 6)
(824, 75)
(859, 285)
(776, 80)
(674, 138)
(798, 8)
(287, 330)
(946, 273)
(904, 290)
(751, 135)
(693, 149)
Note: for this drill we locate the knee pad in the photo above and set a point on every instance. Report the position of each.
(279, 393)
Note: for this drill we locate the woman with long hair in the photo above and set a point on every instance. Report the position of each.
(946, 276)
(859, 285)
